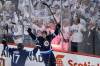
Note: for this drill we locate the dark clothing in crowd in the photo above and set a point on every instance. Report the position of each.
(90, 41)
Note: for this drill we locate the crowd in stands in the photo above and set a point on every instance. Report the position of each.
(80, 21)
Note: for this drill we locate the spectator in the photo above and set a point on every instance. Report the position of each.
(77, 35)
(90, 38)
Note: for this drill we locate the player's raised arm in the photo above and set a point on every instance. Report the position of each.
(56, 32)
(4, 44)
(35, 39)
(5, 48)
(31, 34)
(57, 29)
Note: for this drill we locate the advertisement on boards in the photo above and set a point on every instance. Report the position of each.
(62, 59)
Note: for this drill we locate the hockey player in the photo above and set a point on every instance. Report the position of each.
(18, 55)
(44, 44)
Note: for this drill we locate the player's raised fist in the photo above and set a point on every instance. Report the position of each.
(29, 30)
(4, 41)
(58, 25)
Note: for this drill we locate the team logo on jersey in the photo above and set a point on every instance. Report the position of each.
(46, 43)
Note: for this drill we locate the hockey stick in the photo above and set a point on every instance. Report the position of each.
(52, 15)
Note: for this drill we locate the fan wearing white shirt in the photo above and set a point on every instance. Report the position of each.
(77, 30)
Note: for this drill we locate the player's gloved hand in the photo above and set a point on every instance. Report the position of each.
(4, 42)
(29, 30)
(58, 25)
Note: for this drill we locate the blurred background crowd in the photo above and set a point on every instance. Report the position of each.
(80, 22)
